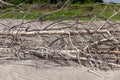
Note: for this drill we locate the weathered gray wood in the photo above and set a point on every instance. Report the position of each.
(57, 32)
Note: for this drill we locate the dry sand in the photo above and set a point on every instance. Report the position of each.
(37, 70)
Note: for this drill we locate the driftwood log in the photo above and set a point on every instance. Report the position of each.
(57, 32)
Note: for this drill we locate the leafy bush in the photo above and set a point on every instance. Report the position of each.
(52, 1)
(15, 1)
(21, 1)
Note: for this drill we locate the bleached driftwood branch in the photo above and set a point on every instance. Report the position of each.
(58, 32)
(64, 52)
(98, 42)
(69, 53)
(5, 4)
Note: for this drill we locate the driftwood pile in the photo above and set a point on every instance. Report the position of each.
(66, 41)
(92, 44)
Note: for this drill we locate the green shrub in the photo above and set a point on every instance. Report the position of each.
(21, 1)
(52, 1)
(15, 1)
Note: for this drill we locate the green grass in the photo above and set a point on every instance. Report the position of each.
(74, 9)
(21, 15)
